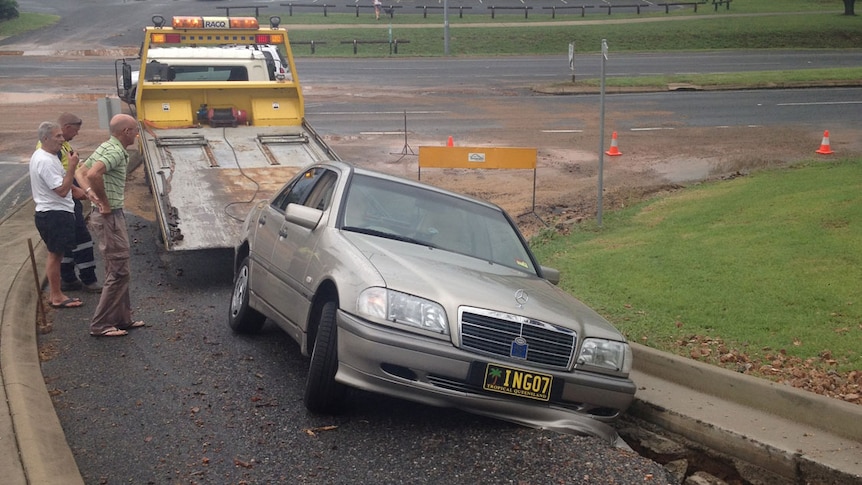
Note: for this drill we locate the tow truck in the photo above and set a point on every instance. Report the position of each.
(222, 121)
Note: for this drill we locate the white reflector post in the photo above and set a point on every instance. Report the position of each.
(108, 107)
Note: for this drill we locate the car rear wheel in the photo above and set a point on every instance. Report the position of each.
(242, 317)
(323, 395)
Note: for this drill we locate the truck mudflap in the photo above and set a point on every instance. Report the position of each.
(205, 179)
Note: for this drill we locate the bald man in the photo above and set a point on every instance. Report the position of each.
(103, 179)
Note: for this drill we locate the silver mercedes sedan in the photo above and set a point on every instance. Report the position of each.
(408, 290)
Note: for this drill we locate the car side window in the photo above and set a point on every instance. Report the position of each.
(321, 196)
(300, 189)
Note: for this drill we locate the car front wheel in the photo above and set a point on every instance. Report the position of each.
(323, 395)
(242, 317)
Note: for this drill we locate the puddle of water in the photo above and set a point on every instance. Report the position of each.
(683, 170)
(22, 98)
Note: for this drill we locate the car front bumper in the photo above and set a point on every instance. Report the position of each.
(434, 372)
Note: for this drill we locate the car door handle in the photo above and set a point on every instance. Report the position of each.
(282, 233)
(261, 221)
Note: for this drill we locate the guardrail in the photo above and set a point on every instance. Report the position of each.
(666, 5)
(716, 3)
(392, 44)
(389, 10)
(291, 5)
(312, 43)
(425, 9)
(566, 7)
(255, 7)
(525, 8)
(610, 8)
(681, 4)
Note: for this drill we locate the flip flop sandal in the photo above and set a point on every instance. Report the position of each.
(68, 303)
(138, 324)
(110, 332)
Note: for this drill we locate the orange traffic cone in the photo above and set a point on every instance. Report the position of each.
(614, 150)
(825, 149)
(450, 142)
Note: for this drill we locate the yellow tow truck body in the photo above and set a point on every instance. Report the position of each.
(222, 121)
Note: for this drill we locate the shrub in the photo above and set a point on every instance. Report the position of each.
(8, 9)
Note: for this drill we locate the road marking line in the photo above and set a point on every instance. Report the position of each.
(13, 186)
(342, 113)
(819, 103)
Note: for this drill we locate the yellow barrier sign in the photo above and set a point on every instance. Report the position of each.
(477, 157)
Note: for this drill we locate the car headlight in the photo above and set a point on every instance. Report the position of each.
(606, 354)
(403, 309)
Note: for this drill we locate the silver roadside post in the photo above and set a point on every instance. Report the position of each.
(602, 134)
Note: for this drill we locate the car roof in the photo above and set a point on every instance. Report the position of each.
(349, 168)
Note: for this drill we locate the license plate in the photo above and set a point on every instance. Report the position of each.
(517, 382)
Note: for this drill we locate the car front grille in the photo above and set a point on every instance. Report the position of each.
(493, 333)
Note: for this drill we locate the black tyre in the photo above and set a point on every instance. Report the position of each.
(323, 395)
(243, 318)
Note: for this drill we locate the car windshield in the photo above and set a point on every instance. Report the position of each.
(387, 208)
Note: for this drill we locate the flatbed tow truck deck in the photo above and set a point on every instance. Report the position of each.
(206, 178)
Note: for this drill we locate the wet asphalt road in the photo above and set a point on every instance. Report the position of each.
(184, 400)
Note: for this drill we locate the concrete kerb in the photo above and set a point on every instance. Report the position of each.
(791, 432)
(36, 451)
(826, 413)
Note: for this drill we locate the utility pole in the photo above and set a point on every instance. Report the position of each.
(446, 27)
(602, 134)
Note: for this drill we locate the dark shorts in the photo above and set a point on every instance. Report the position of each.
(57, 229)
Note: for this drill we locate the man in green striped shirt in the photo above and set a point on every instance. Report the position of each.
(103, 179)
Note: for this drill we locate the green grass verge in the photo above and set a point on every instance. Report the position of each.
(768, 263)
(26, 22)
(810, 24)
(810, 31)
(749, 80)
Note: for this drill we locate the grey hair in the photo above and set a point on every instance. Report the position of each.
(46, 128)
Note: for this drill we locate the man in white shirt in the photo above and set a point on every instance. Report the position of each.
(55, 216)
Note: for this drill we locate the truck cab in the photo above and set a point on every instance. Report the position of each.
(218, 64)
(190, 63)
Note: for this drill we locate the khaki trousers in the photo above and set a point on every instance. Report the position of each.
(115, 307)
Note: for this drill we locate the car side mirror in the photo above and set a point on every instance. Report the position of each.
(301, 215)
(551, 274)
(127, 76)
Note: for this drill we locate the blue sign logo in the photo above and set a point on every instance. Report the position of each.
(519, 348)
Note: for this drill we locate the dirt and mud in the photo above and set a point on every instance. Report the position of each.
(566, 178)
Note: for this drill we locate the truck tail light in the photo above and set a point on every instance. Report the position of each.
(162, 38)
